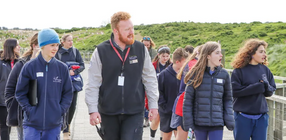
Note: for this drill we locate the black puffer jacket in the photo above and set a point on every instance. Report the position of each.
(5, 69)
(15, 113)
(210, 104)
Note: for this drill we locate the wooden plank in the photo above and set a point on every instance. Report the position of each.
(270, 134)
(279, 114)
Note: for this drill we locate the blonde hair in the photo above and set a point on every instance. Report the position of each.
(197, 72)
(64, 38)
(117, 17)
(244, 55)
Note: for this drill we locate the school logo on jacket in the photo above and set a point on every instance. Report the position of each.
(57, 80)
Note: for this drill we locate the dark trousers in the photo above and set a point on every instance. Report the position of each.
(4, 129)
(122, 127)
(212, 135)
(71, 111)
(246, 128)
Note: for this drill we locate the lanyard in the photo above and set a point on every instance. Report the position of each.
(120, 56)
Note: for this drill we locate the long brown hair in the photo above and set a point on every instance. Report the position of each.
(244, 55)
(8, 50)
(196, 51)
(33, 41)
(197, 72)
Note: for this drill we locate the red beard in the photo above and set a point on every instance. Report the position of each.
(126, 40)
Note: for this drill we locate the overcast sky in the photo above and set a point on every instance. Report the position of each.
(66, 14)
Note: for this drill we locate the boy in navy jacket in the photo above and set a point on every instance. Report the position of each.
(168, 89)
(54, 90)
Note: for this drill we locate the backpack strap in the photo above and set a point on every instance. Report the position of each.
(74, 51)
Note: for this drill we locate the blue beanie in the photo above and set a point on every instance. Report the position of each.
(47, 36)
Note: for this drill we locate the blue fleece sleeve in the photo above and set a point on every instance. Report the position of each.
(22, 89)
(240, 90)
(67, 93)
(269, 83)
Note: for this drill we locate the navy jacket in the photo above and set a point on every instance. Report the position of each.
(5, 69)
(54, 89)
(168, 89)
(15, 115)
(69, 56)
(248, 92)
(210, 104)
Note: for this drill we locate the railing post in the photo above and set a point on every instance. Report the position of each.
(279, 117)
(270, 134)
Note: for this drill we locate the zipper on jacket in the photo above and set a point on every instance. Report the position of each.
(211, 100)
(45, 102)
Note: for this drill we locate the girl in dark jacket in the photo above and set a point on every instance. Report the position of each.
(8, 57)
(68, 53)
(160, 62)
(207, 105)
(15, 117)
(251, 82)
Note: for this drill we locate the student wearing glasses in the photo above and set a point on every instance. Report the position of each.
(150, 45)
(251, 81)
(148, 42)
(160, 62)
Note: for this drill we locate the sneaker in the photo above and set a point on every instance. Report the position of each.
(151, 138)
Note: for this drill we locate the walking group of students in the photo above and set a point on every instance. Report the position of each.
(198, 97)
(56, 91)
(193, 92)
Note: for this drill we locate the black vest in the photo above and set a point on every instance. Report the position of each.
(127, 99)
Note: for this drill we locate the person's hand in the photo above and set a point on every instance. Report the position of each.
(152, 114)
(71, 72)
(94, 118)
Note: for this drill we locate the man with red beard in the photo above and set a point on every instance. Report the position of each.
(119, 74)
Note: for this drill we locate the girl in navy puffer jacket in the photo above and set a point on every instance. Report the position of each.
(54, 90)
(207, 105)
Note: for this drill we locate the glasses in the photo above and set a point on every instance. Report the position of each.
(146, 38)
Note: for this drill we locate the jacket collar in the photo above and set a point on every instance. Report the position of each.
(216, 70)
(62, 51)
(171, 70)
(43, 61)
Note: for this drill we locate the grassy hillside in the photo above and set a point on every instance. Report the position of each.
(180, 34)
